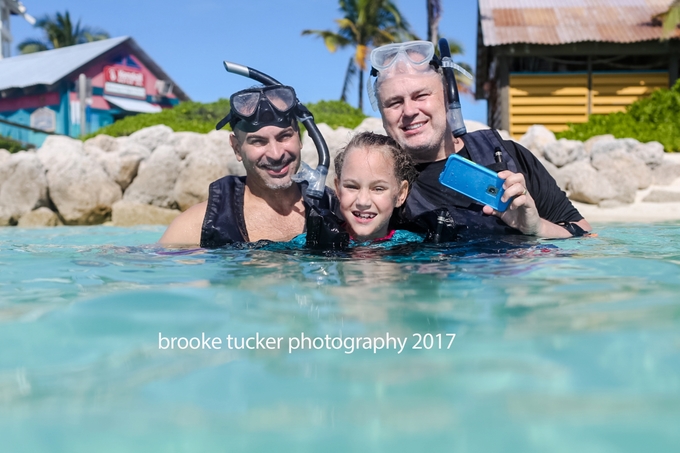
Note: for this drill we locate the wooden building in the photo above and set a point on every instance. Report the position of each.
(39, 92)
(553, 62)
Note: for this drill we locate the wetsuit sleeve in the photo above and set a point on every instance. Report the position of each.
(552, 203)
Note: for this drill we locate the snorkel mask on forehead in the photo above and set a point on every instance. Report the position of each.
(418, 58)
(254, 108)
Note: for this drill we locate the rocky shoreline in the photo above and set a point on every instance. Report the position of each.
(154, 174)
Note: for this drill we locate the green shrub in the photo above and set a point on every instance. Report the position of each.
(12, 145)
(187, 116)
(336, 114)
(202, 118)
(655, 118)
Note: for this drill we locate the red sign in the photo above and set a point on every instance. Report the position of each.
(124, 75)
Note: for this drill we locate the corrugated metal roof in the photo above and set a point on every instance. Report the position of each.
(50, 66)
(567, 21)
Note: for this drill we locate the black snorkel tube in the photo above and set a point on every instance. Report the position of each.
(454, 115)
(315, 178)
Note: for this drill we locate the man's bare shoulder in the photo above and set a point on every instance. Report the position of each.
(186, 228)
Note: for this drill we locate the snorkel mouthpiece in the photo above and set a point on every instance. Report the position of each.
(454, 115)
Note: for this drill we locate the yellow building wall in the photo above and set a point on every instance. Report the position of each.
(557, 99)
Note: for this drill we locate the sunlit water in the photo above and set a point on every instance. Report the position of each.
(560, 346)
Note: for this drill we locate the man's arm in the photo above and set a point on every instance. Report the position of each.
(186, 228)
(522, 213)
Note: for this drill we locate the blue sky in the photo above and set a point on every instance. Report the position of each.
(189, 40)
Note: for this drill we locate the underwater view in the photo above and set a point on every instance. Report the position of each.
(111, 343)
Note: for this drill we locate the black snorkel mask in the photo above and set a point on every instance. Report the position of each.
(255, 108)
(277, 105)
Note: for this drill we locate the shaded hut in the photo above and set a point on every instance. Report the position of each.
(553, 62)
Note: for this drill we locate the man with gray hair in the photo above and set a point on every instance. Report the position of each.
(410, 92)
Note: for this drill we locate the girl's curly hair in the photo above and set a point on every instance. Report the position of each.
(404, 169)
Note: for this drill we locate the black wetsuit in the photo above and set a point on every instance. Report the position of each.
(224, 221)
(428, 197)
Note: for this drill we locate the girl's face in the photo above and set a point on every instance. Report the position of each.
(368, 191)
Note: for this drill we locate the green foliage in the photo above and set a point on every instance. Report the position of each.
(365, 23)
(187, 116)
(202, 118)
(655, 118)
(12, 146)
(336, 114)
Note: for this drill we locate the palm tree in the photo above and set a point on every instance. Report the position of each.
(60, 32)
(366, 24)
(434, 14)
(671, 19)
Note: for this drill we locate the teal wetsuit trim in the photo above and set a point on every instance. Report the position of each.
(399, 237)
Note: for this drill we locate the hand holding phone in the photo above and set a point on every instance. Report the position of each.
(474, 181)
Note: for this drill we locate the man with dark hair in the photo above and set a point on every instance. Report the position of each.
(266, 203)
(410, 94)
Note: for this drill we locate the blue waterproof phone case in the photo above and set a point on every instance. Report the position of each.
(474, 181)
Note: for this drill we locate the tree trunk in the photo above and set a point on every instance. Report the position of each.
(348, 79)
(361, 90)
(434, 14)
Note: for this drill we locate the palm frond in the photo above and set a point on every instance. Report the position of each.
(31, 46)
(331, 39)
(59, 31)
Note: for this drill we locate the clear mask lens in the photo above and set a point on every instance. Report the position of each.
(281, 98)
(245, 104)
(414, 52)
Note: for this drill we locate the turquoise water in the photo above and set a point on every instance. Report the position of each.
(559, 346)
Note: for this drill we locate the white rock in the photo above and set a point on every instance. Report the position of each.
(203, 166)
(78, 185)
(587, 185)
(187, 142)
(588, 144)
(563, 152)
(666, 173)
(623, 169)
(221, 140)
(536, 138)
(123, 163)
(651, 153)
(371, 124)
(128, 213)
(56, 145)
(4, 155)
(153, 137)
(104, 142)
(155, 182)
(23, 186)
(41, 217)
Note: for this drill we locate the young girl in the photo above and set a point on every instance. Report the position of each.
(373, 178)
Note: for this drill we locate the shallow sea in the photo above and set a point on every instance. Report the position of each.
(560, 346)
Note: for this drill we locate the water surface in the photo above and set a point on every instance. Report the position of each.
(568, 345)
